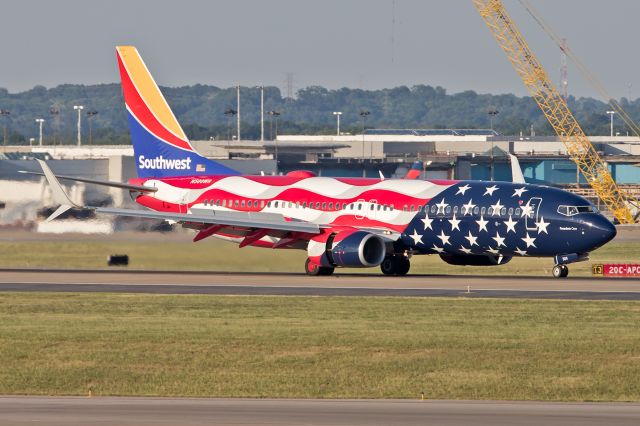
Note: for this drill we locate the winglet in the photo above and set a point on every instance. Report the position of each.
(59, 196)
(516, 171)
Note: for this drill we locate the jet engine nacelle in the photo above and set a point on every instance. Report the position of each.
(356, 249)
(347, 247)
(474, 260)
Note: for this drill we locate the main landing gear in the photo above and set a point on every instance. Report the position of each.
(560, 271)
(314, 269)
(395, 265)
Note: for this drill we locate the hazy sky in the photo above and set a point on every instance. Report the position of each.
(330, 42)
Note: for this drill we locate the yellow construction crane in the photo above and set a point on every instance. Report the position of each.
(554, 108)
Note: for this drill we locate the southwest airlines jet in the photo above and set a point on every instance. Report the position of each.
(340, 222)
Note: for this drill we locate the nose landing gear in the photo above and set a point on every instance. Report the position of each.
(560, 271)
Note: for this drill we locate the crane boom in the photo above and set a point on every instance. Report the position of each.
(554, 107)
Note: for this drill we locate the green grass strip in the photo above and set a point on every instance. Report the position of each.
(313, 347)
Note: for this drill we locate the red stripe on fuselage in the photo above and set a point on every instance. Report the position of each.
(199, 182)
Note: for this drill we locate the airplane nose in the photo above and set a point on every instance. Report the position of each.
(603, 230)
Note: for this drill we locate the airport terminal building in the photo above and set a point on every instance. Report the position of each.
(446, 154)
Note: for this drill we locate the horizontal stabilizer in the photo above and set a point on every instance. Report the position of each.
(120, 185)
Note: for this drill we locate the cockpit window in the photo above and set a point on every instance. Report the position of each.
(574, 210)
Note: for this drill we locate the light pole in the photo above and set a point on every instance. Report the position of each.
(492, 113)
(275, 114)
(5, 113)
(229, 113)
(79, 108)
(363, 116)
(90, 115)
(337, 114)
(40, 122)
(261, 113)
(238, 111)
(55, 115)
(611, 121)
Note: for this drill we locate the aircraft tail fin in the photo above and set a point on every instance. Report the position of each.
(160, 146)
(516, 170)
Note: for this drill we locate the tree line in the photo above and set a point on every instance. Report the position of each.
(201, 111)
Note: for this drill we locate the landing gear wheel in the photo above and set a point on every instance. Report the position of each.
(395, 265)
(403, 266)
(314, 269)
(560, 271)
(326, 270)
(388, 266)
(311, 268)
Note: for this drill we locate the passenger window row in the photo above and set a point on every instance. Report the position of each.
(373, 206)
(477, 211)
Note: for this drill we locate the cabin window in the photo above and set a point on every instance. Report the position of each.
(433, 209)
(262, 204)
(483, 211)
(476, 210)
(304, 204)
(379, 207)
(448, 209)
(359, 206)
(404, 208)
(503, 211)
(392, 207)
(275, 204)
(413, 208)
(350, 206)
(297, 204)
(242, 204)
(510, 211)
(236, 203)
(455, 209)
(330, 206)
(324, 206)
(290, 204)
(420, 208)
(490, 211)
(206, 202)
(518, 211)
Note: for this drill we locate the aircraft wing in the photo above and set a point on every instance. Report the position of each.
(203, 217)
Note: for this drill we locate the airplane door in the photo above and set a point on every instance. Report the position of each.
(183, 205)
(372, 212)
(532, 218)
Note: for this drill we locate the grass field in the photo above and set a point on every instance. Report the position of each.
(62, 344)
(170, 252)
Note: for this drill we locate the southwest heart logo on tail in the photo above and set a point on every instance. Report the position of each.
(160, 146)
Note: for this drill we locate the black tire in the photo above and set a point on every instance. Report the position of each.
(388, 266)
(326, 270)
(311, 268)
(558, 271)
(395, 265)
(403, 266)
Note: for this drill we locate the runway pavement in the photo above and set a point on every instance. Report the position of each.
(302, 285)
(72, 411)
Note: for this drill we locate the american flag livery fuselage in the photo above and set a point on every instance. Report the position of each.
(344, 222)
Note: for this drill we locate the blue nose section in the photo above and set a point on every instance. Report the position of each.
(602, 231)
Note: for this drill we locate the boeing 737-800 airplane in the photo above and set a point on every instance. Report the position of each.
(340, 222)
